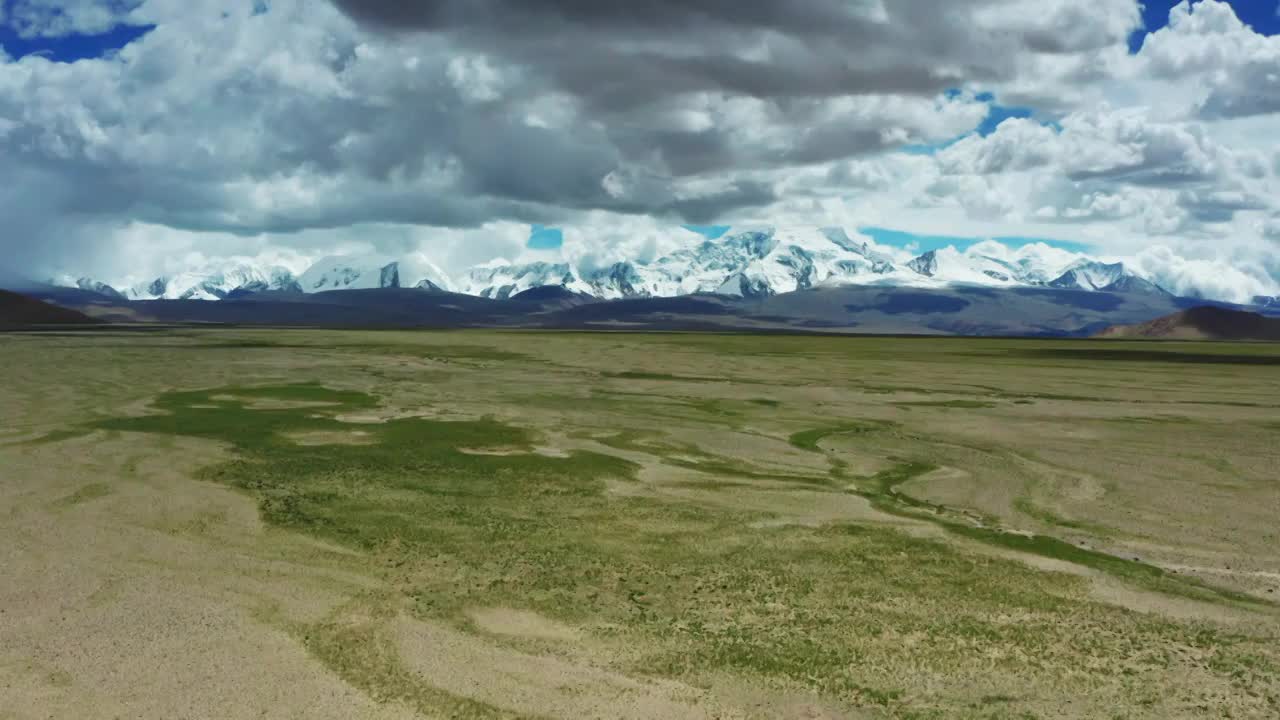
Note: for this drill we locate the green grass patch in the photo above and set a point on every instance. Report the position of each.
(427, 350)
(904, 389)
(1136, 571)
(1151, 420)
(452, 352)
(57, 436)
(688, 590)
(882, 490)
(1142, 574)
(886, 482)
(1199, 357)
(246, 345)
(369, 495)
(957, 404)
(690, 457)
(644, 375)
(363, 653)
(298, 392)
(88, 493)
(1031, 510)
(810, 439)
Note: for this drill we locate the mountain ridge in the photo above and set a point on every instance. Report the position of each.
(1205, 322)
(752, 263)
(20, 311)
(846, 309)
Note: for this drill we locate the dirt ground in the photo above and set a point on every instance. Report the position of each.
(137, 584)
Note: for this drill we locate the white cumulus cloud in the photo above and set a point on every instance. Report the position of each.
(319, 127)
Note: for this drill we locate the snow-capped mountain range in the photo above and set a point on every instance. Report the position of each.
(365, 273)
(749, 263)
(212, 285)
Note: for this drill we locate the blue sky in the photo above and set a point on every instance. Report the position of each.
(71, 47)
(995, 115)
(549, 238)
(1263, 15)
(711, 232)
(545, 238)
(925, 243)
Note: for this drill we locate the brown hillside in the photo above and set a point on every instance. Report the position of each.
(1202, 323)
(17, 311)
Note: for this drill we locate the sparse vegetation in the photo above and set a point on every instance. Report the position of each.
(956, 404)
(88, 493)
(820, 541)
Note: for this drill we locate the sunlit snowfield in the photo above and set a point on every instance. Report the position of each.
(480, 524)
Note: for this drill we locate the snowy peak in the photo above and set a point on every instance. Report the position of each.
(926, 264)
(372, 273)
(1133, 284)
(500, 281)
(94, 286)
(841, 239)
(391, 276)
(1108, 277)
(753, 244)
(1090, 275)
(343, 273)
(988, 264)
(211, 284)
(752, 262)
(418, 272)
(620, 280)
(333, 273)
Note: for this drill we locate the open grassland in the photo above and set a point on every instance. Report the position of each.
(484, 524)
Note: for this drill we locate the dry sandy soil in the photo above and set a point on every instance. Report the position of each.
(702, 558)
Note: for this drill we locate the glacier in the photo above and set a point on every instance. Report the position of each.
(751, 262)
(373, 272)
(206, 284)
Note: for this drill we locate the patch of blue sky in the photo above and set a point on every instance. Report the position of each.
(545, 238)
(710, 232)
(1262, 15)
(996, 114)
(924, 243)
(70, 48)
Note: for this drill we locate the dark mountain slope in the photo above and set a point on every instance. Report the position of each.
(1202, 323)
(20, 311)
(964, 310)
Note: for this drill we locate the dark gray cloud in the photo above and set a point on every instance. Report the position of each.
(329, 119)
(624, 54)
(1251, 89)
(760, 77)
(712, 207)
(443, 103)
(1219, 206)
(817, 16)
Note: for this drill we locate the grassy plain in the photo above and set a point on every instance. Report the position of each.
(230, 524)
